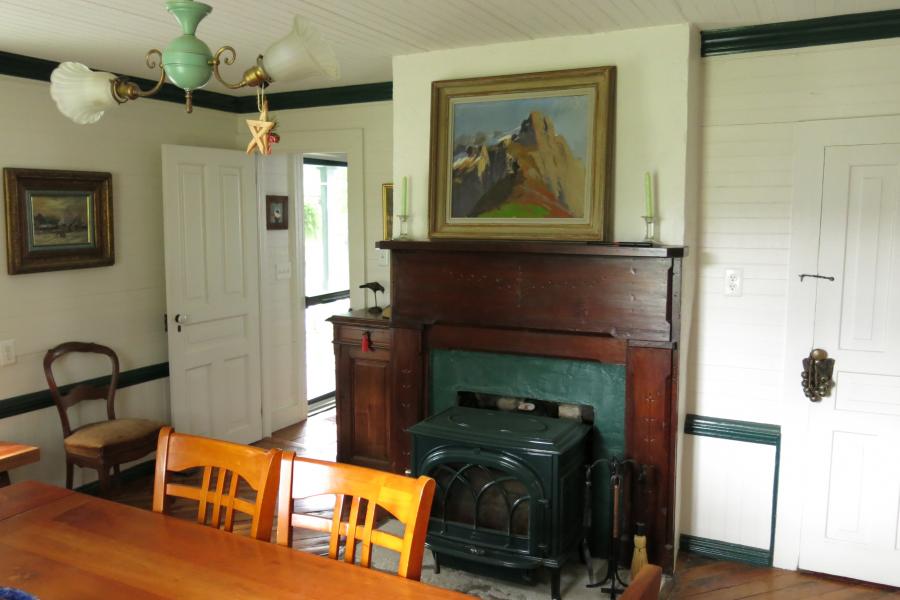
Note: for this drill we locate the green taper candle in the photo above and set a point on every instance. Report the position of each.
(648, 192)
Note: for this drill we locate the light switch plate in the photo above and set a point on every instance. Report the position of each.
(283, 270)
(384, 258)
(7, 352)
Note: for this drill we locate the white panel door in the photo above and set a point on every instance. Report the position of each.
(851, 515)
(212, 292)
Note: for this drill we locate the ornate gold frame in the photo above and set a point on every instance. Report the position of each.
(18, 182)
(387, 210)
(601, 80)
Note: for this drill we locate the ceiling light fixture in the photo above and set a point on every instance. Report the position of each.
(84, 95)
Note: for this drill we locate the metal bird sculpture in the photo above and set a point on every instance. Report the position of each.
(375, 287)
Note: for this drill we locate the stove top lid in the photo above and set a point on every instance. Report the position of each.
(502, 429)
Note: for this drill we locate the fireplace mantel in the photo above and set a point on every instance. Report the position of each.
(520, 247)
(598, 302)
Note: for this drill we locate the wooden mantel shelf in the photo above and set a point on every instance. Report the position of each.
(535, 247)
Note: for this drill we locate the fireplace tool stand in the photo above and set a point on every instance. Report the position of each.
(617, 468)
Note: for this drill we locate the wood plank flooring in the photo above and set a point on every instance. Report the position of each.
(696, 578)
(700, 578)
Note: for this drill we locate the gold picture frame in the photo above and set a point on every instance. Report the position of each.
(387, 210)
(524, 157)
(57, 220)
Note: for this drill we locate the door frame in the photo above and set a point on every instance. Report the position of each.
(295, 143)
(810, 140)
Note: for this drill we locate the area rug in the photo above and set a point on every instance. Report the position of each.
(573, 581)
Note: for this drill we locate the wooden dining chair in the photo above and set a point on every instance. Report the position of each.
(406, 499)
(177, 452)
(104, 444)
(645, 586)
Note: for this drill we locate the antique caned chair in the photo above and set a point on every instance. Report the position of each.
(177, 452)
(406, 499)
(104, 444)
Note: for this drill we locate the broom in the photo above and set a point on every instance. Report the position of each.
(639, 557)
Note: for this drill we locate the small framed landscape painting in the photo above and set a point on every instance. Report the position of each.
(57, 220)
(276, 212)
(523, 156)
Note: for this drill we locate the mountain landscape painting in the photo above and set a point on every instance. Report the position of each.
(526, 156)
(516, 157)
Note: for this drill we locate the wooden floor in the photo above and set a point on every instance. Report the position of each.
(701, 578)
(696, 577)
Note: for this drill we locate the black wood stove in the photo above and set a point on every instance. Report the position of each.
(510, 489)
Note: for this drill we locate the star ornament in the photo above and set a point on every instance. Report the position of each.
(260, 130)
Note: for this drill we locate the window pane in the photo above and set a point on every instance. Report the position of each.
(326, 224)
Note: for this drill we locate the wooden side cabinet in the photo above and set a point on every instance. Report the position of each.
(371, 417)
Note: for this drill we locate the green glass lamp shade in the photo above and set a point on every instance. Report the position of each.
(186, 58)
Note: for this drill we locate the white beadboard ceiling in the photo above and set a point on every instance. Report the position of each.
(114, 35)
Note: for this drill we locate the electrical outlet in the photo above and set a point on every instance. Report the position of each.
(7, 352)
(734, 282)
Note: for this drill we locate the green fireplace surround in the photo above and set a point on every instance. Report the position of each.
(599, 385)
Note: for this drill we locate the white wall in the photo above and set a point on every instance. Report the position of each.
(752, 103)
(120, 306)
(325, 129)
(651, 113)
(373, 121)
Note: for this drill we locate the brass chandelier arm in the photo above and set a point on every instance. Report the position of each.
(124, 90)
(253, 76)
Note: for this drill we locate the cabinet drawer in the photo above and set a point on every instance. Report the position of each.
(345, 334)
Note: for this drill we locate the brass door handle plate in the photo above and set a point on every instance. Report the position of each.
(816, 378)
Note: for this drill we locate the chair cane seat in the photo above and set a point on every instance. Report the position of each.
(105, 434)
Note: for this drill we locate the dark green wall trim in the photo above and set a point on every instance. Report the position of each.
(25, 403)
(39, 69)
(348, 94)
(18, 65)
(138, 471)
(324, 162)
(726, 551)
(727, 429)
(798, 34)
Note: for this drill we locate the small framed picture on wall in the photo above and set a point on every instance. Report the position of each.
(276, 212)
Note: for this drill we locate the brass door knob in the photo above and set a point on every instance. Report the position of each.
(816, 378)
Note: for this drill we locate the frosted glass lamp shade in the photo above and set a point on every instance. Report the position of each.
(299, 54)
(81, 94)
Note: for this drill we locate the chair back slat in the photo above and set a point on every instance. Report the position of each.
(220, 461)
(406, 499)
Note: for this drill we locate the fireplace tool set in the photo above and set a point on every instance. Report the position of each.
(619, 470)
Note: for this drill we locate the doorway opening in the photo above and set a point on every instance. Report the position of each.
(326, 252)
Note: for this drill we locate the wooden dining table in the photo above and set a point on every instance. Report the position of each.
(60, 544)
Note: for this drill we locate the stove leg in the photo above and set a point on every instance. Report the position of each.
(554, 584)
(437, 562)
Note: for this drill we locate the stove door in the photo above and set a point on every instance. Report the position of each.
(488, 505)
